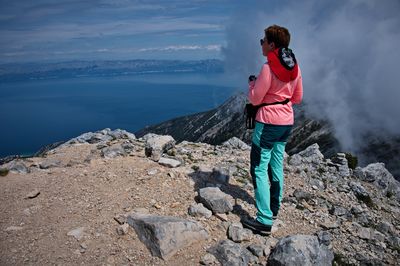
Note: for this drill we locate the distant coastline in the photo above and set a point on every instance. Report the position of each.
(75, 69)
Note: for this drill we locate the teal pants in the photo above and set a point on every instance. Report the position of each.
(266, 168)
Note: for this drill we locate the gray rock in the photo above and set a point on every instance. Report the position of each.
(324, 237)
(357, 210)
(295, 160)
(90, 137)
(374, 172)
(302, 195)
(230, 253)
(257, 250)
(329, 225)
(220, 174)
(338, 211)
(77, 233)
(317, 183)
(394, 242)
(236, 143)
(198, 210)
(278, 224)
(216, 200)
(382, 179)
(113, 151)
(344, 170)
(156, 145)
(378, 236)
(343, 188)
(128, 147)
(302, 250)
(237, 233)
(312, 154)
(165, 235)
(121, 134)
(365, 219)
(364, 233)
(149, 136)
(385, 228)
(50, 163)
(19, 167)
(358, 173)
(209, 259)
(172, 163)
(270, 244)
(122, 229)
(358, 189)
(341, 164)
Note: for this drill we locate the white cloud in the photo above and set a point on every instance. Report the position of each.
(348, 55)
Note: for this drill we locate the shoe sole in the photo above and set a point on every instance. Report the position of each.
(263, 233)
(257, 231)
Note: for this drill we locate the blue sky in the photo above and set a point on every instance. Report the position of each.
(45, 30)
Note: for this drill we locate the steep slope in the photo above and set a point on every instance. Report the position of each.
(213, 127)
(226, 121)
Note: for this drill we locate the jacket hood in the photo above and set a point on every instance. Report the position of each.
(283, 64)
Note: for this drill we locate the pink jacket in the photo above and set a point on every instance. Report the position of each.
(268, 89)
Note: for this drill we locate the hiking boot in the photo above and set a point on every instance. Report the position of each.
(256, 226)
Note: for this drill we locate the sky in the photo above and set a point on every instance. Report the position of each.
(347, 49)
(47, 30)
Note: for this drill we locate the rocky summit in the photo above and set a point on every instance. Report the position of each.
(110, 198)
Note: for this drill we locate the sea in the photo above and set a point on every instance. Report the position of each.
(35, 113)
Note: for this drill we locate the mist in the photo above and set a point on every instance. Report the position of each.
(348, 55)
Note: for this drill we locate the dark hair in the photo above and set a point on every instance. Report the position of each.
(278, 35)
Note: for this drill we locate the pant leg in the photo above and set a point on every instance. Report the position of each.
(276, 176)
(263, 143)
(259, 159)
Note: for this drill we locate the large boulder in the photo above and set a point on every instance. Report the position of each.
(50, 163)
(230, 253)
(311, 155)
(156, 145)
(304, 250)
(165, 235)
(121, 134)
(17, 166)
(113, 151)
(382, 179)
(216, 200)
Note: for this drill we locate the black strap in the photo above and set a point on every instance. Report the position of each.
(265, 104)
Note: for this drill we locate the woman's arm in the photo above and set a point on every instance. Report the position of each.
(297, 96)
(258, 88)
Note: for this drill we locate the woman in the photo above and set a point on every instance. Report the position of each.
(279, 79)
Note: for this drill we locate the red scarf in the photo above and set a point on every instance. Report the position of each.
(282, 71)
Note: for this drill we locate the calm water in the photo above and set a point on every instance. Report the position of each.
(37, 113)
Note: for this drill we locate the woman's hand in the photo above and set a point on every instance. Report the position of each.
(252, 78)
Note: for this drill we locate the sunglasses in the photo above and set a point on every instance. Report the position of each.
(262, 41)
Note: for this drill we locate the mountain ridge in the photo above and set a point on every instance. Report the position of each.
(227, 120)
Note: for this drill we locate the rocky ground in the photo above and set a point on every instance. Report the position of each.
(107, 198)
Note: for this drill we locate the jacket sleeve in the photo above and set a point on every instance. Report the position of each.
(297, 96)
(258, 88)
